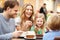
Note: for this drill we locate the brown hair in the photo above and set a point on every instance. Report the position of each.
(44, 4)
(54, 22)
(10, 4)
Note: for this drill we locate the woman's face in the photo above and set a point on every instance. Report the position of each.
(39, 22)
(28, 11)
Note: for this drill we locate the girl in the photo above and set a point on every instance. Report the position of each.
(38, 26)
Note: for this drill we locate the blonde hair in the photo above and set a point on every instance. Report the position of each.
(24, 9)
(54, 22)
(23, 13)
(39, 15)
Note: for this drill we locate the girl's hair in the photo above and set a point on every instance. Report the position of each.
(39, 15)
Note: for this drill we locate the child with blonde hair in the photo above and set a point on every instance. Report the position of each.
(38, 26)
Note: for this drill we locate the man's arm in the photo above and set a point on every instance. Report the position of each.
(2, 35)
(6, 36)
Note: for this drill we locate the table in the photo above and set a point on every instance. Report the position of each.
(38, 37)
(20, 38)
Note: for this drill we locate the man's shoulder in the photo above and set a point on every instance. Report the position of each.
(0, 16)
(12, 20)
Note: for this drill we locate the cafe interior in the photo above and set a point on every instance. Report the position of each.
(51, 5)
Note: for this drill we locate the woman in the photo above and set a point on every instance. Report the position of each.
(26, 17)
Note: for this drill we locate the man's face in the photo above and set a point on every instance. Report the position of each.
(13, 12)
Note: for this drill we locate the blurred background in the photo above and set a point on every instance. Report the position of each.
(53, 5)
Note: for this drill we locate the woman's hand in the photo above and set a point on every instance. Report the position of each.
(27, 25)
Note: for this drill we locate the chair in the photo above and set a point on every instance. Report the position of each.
(57, 38)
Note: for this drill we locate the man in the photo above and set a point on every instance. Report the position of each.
(7, 24)
(43, 10)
